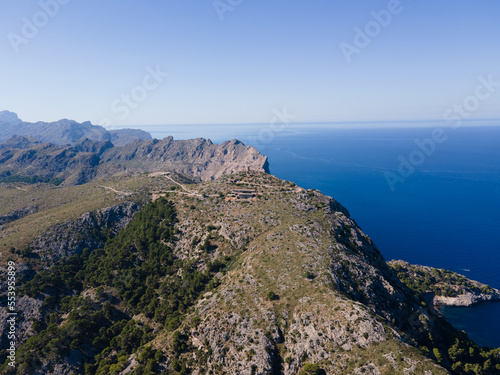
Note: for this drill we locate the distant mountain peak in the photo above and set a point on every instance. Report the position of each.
(20, 142)
(9, 117)
(65, 131)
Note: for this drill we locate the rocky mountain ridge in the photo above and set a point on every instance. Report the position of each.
(64, 132)
(25, 160)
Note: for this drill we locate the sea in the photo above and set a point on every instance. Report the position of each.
(425, 192)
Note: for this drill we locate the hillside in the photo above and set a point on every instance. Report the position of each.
(244, 274)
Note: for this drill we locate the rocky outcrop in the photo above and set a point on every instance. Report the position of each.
(28, 309)
(442, 287)
(17, 214)
(89, 231)
(309, 287)
(467, 299)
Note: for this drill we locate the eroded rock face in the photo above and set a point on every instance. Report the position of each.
(27, 309)
(17, 214)
(90, 231)
(199, 158)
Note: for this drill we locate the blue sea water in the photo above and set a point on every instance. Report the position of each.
(445, 212)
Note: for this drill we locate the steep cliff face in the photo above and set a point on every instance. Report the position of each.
(87, 160)
(199, 157)
(90, 232)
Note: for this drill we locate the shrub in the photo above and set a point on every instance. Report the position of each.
(309, 275)
(271, 296)
(195, 321)
(312, 369)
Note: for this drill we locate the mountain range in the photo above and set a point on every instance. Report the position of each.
(70, 153)
(64, 132)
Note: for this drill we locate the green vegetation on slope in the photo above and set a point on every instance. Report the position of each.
(136, 272)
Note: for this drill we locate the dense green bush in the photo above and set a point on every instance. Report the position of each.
(312, 369)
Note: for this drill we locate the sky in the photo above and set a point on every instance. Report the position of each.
(135, 63)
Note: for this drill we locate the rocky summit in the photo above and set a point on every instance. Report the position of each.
(150, 273)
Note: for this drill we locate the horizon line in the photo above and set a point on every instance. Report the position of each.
(313, 122)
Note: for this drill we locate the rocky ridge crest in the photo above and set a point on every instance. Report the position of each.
(86, 160)
(64, 132)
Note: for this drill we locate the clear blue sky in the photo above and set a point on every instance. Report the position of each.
(264, 55)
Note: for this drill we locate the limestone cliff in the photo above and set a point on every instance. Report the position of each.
(199, 158)
(87, 160)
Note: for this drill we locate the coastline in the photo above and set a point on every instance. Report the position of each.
(439, 287)
(466, 299)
